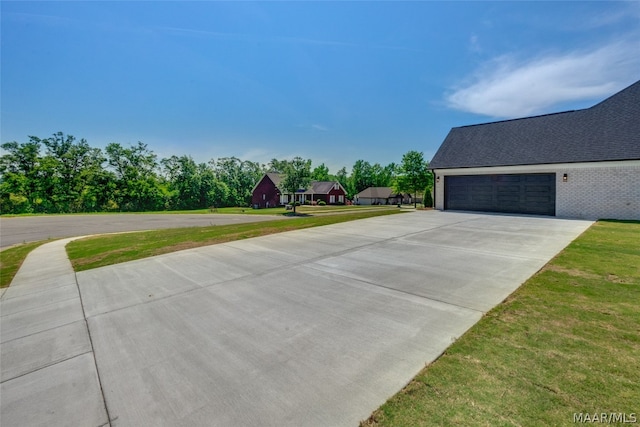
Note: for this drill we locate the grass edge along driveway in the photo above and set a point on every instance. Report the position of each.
(99, 251)
(562, 349)
(11, 260)
(114, 248)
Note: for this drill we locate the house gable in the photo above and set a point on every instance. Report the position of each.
(266, 192)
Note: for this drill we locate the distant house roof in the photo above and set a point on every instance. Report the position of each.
(316, 187)
(275, 178)
(321, 187)
(607, 131)
(376, 193)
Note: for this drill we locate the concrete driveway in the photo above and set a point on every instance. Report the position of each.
(33, 228)
(315, 327)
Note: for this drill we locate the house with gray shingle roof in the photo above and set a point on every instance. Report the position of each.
(574, 164)
(380, 196)
(267, 192)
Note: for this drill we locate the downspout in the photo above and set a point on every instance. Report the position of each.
(435, 185)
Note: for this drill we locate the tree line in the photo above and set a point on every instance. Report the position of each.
(61, 174)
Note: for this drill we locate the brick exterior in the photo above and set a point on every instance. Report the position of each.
(592, 191)
(598, 193)
(265, 194)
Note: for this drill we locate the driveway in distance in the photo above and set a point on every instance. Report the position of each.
(314, 327)
(33, 228)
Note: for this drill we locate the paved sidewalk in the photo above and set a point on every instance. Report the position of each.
(305, 328)
(48, 369)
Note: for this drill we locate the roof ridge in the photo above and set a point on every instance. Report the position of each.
(617, 94)
(522, 118)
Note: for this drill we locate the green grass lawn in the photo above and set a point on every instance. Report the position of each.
(305, 209)
(232, 210)
(11, 259)
(567, 341)
(104, 250)
(125, 247)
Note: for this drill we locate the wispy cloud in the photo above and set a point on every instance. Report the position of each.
(316, 127)
(474, 44)
(254, 38)
(627, 11)
(39, 18)
(506, 87)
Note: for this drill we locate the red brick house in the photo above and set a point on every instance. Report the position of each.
(267, 194)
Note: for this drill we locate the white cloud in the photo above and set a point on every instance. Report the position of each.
(474, 44)
(316, 127)
(507, 88)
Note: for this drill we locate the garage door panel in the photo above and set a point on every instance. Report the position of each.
(504, 198)
(508, 178)
(513, 193)
(482, 188)
(508, 188)
(537, 188)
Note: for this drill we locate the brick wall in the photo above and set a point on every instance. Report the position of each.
(599, 192)
(592, 190)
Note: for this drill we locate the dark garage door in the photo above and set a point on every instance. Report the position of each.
(513, 193)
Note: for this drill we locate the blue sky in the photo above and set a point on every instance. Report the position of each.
(331, 81)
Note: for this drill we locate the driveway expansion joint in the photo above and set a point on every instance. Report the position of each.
(93, 355)
(48, 365)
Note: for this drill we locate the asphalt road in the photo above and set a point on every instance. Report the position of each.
(33, 228)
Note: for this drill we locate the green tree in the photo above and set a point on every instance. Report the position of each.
(365, 175)
(19, 176)
(193, 186)
(212, 191)
(73, 172)
(361, 176)
(137, 184)
(184, 182)
(239, 176)
(277, 166)
(343, 178)
(297, 176)
(320, 173)
(413, 174)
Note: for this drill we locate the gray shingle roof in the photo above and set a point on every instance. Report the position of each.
(609, 130)
(321, 187)
(376, 193)
(276, 178)
(316, 187)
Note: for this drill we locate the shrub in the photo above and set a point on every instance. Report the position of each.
(322, 203)
(428, 199)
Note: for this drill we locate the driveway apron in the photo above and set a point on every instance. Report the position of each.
(304, 328)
